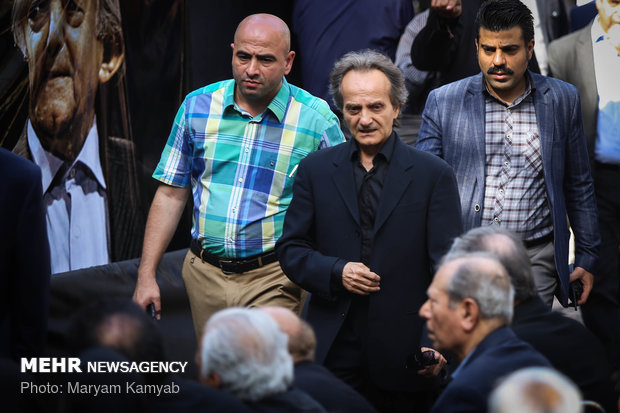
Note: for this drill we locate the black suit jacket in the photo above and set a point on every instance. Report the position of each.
(24, 259)
(570, 347)
(417, 218)
(498, 355)
(333, 394)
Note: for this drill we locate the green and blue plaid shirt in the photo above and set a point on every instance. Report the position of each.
(241, 169)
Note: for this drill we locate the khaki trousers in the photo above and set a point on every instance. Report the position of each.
(210, 290)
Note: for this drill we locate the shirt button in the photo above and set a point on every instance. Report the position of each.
(240, 179)
(506, 163)
(72, 173)
(247, 150)
(496, 219)
(501, 191)
(234, 210)
(476, 207)
(272, 163)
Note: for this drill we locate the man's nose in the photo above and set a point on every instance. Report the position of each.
(56, 26)
(498, 58)
(424, 310)
(365, 118)
(252, 67)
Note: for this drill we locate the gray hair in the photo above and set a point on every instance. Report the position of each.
(109, 28)
(508, 249)
(536, 390)
(364, 61)
(484, 280)
(247, 349)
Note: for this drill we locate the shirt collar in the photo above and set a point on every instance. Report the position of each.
(50, 164)
(386, 150)
(529, 89)
(277, 106)
(597, 32)
(463, 363)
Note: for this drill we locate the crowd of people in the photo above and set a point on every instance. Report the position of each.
(424, 269)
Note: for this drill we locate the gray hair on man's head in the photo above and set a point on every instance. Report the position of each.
(109, 28)
(364, 61)
(535, 390)
(483, 278)
(248, 351)
(508, 249)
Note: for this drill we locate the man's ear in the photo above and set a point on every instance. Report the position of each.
(470, 314)
(288, 62)
(530, 50)
(113, 57)
(212, 380)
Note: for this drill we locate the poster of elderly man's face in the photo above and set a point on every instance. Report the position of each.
(88, 92)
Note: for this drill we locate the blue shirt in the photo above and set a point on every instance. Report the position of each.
(75, 203)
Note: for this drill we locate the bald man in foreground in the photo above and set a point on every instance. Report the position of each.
(235, 146)
(331, 392)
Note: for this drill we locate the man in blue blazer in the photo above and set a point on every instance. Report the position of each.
(469, 307)
(516, 143)
(369, 220)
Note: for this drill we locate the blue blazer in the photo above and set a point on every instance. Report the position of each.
(453, 128)
(498, 355)
(417, 218)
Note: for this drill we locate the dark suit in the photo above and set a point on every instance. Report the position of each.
(125, 211)
(24, 259)
(417, 217)
(499, 354)
(571, 59)
(333, 394)
(569, 346)
(291, 401)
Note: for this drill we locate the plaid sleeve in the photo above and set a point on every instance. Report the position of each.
(175, 164)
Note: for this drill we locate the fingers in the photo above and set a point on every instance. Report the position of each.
(587, 280)
(357, 278)
(433, 369)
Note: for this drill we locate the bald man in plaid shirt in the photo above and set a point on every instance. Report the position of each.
(235, 146)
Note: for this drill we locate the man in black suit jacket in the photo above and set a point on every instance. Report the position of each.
(570, 347)
(468, 310)
(314, 379)
(368, 221)
(24, 260)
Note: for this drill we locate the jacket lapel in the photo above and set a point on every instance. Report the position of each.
(396, 182)
(545, 119)
(343, 179)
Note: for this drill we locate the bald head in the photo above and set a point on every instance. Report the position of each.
(265, 23)
(301, 337)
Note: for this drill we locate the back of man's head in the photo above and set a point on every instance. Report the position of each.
(122, 325)
(301, 337)
(502, 15)
(508, 249)
(535, 390)
(245, 352)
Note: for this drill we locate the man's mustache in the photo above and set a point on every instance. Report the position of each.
(499, 69)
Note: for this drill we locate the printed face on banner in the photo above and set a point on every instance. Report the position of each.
(64, 61)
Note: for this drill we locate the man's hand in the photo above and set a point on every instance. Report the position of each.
(447, 9)
(357, 278)
(587, 279)
(147, 292)
(434, 369)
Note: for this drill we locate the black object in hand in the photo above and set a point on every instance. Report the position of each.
(575, 289)
(150, 309)
(421, 359)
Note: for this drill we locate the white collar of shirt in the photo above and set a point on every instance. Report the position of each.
(50, 164)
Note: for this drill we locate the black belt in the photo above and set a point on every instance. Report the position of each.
(538, 241)
(232, 266)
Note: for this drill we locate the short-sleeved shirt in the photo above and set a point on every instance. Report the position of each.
(241, 168)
